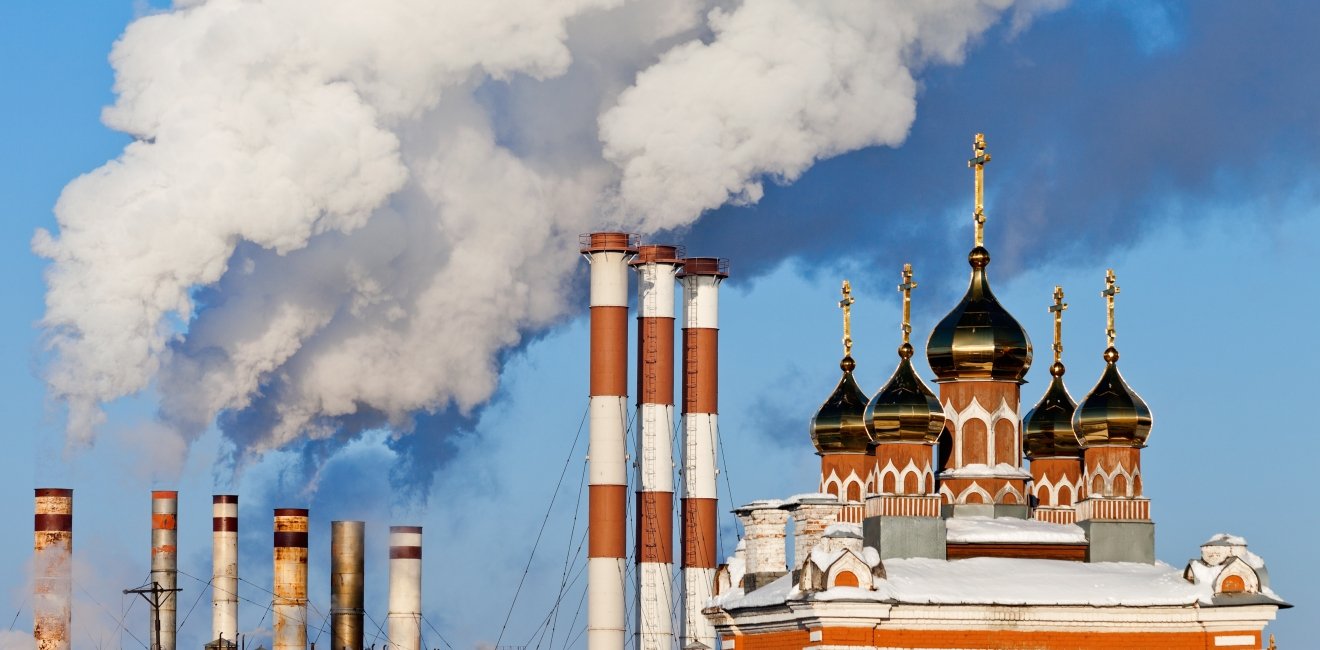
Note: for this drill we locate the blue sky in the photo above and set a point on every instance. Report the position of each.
(1172, 142)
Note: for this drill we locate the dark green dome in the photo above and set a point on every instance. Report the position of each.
(979, 339)
(904, 410)
(1047, 430)
(838, 427)
(1112, 413)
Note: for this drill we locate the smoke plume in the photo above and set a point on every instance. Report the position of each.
(337, 216)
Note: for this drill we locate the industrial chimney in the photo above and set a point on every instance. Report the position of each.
(701, 278)
(224, 571)
(346, 573)
(608, 253)
(657, 267)
(164, 564)
(405, 615)
(52, 575)
(290, 604)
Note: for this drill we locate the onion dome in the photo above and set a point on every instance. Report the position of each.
(838, 426)
(1047, 429)
(905, 410)
(1112, 414)
(979, 339)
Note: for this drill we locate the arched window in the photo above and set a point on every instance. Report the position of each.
(1231, 585)
(849, 579)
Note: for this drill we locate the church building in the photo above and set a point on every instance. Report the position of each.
(947, 519)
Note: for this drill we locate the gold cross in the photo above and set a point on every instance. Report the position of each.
(907, 287)
(1058, 308)
(1111, 290)
(846, 305)
(979, 158)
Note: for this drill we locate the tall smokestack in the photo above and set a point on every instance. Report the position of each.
(405, 615)
(52, 575)
(657, 267)
(165, 563)
(608, 253)
(224, 570)
(290, 605)
(346, 561)
(701, 279)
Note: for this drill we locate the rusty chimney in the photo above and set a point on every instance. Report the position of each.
(290, 604)
(164, 562)
(224, 570)
(52, 551)
(346, 560)
(405, 615)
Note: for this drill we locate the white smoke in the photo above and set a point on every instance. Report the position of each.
(336, 208)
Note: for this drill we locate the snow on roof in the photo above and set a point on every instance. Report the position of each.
(761, 504)
(1224, 539)
(811, 496)
(974, 530)
(843, 529)
(1003, 581)
(981, 470)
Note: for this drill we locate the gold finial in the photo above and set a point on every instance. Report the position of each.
(907, 287)
(1272, 646)
(1111, 290)
(1057, 309)
(846, 305)
(979, 158)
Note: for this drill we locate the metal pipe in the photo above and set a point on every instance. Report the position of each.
(701, 278)
(346, 582)
(290, 577)
(52, 575)
(656, 266)
(224, 570)
(164, 564)
(405, 615)
(608, 253)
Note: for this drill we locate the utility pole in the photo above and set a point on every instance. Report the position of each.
(155, 596)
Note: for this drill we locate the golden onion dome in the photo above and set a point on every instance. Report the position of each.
(1047, 430)
(904, 410)
(1112, 414)
(838, 427)
(979, 339)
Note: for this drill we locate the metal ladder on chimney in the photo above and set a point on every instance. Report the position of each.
(648, 590)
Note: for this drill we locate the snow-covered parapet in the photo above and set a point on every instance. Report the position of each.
(728, 576)
(1227, 567)
(840, 560)
(812, 515)
(764, 529)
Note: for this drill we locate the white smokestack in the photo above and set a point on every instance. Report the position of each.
(164, 564)
(289, 607)
(224, 569)
(52, 581)
(405, 615)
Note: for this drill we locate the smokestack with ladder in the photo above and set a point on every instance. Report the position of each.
(52, 574)
(657, 268)
(608, 253)
(405, 615)
(224, 571)
(701, 278)
(346, 560)
(290, 600)
(164, 564)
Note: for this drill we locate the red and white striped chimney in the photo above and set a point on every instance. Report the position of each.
(52, 575)
(608, 253)
(290, 588)
(405, 615)
(224, 569)
(165, 563)
(657, 268)
(701, 279)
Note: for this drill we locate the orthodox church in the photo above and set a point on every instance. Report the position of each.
(927, 531)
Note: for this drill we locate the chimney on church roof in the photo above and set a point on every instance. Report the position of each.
(763, 527)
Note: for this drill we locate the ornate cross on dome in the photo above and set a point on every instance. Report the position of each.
(1057, 309)
(907, 287)
(846, 305)
(1111, 290)
(979, 158)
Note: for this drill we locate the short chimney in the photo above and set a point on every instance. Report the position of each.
(52, 551)
(346, 562)
(812, 514)
(290, 605)
(764, 531)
